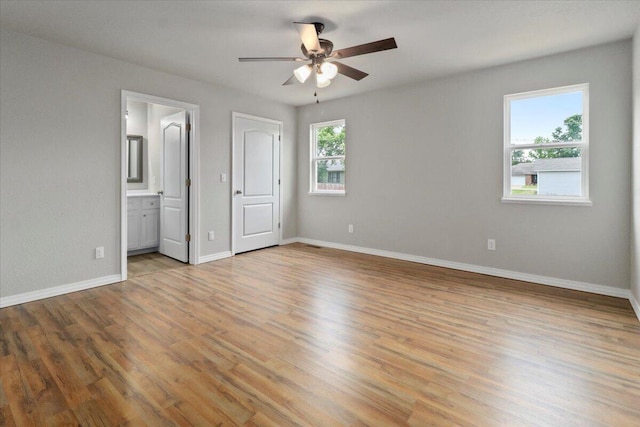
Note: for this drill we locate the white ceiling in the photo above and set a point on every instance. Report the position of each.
(202, 40)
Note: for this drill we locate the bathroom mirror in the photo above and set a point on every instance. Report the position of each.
(134, 157)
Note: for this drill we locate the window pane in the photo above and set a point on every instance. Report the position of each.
(544, 119)
(329, 140)
(329, 175)
(547, 172)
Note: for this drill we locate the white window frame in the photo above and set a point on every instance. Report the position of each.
(582, 200)
(313, 160)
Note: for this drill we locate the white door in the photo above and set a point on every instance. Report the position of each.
(174, 199)
(256, 183)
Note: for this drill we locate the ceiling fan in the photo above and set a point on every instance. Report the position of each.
(323, 58)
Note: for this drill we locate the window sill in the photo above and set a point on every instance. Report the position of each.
(327, 193)
(547, 201)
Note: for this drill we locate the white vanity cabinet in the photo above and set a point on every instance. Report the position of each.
(143, 222)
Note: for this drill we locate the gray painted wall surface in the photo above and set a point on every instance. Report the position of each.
(635, 242)
(60, 159)
(424, 167)
(424, 172)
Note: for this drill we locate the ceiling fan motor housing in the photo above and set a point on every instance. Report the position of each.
(326, 47)
(319, 27)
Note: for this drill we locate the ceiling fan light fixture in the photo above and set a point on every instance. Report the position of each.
(323, 59)
(329, 70)
(322, 80)
(302, 73)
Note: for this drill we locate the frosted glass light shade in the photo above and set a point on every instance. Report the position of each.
(322, 80)
(302, 73)
(328, 69)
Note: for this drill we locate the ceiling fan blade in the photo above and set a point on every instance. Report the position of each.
(309, 36)
(272, 58)
(350, 71)
(290, 81)
(362, 49)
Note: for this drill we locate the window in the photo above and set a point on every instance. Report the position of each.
(328, 158)
(546, 146)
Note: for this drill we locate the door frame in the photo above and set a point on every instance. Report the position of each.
(193, 111)
(234, 116)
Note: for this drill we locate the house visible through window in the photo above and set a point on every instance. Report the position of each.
(328, 157)
(336, 177)
(546, 146)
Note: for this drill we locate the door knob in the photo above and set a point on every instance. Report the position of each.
(238, 192)
(161, 192)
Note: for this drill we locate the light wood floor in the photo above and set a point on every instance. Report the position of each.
(296, 335)
(153, 262)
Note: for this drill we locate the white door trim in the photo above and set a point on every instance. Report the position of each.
(193, 111)
(235, 115)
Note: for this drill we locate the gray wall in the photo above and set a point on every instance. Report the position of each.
(635, 242)
(60, 159)
(424, 167)
(424, 172)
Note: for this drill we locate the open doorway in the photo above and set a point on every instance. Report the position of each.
(159, 178)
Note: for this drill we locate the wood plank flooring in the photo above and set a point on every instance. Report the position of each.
(304, 336)
(153, 262)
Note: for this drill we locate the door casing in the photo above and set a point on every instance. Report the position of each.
(194, 149)
(235, 115)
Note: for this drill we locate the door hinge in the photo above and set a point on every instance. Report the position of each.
(278, 225)
(187, 127)
(279, 138)
(187, 237)
(278, 181)
(188, 182)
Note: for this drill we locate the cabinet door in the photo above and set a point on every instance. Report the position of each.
(149, 228)
(133, 229)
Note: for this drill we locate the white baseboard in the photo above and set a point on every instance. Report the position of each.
(59, 290)
(543, 280)
(635, 304)
(214, 257)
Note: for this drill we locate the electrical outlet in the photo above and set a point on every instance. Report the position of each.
(100, 252)
(350, 228)
(211, 235)
(491, 244)
(223, 177)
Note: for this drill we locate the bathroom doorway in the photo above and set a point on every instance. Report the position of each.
(159, 178)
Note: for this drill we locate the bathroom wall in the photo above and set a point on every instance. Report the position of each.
(137, 124)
